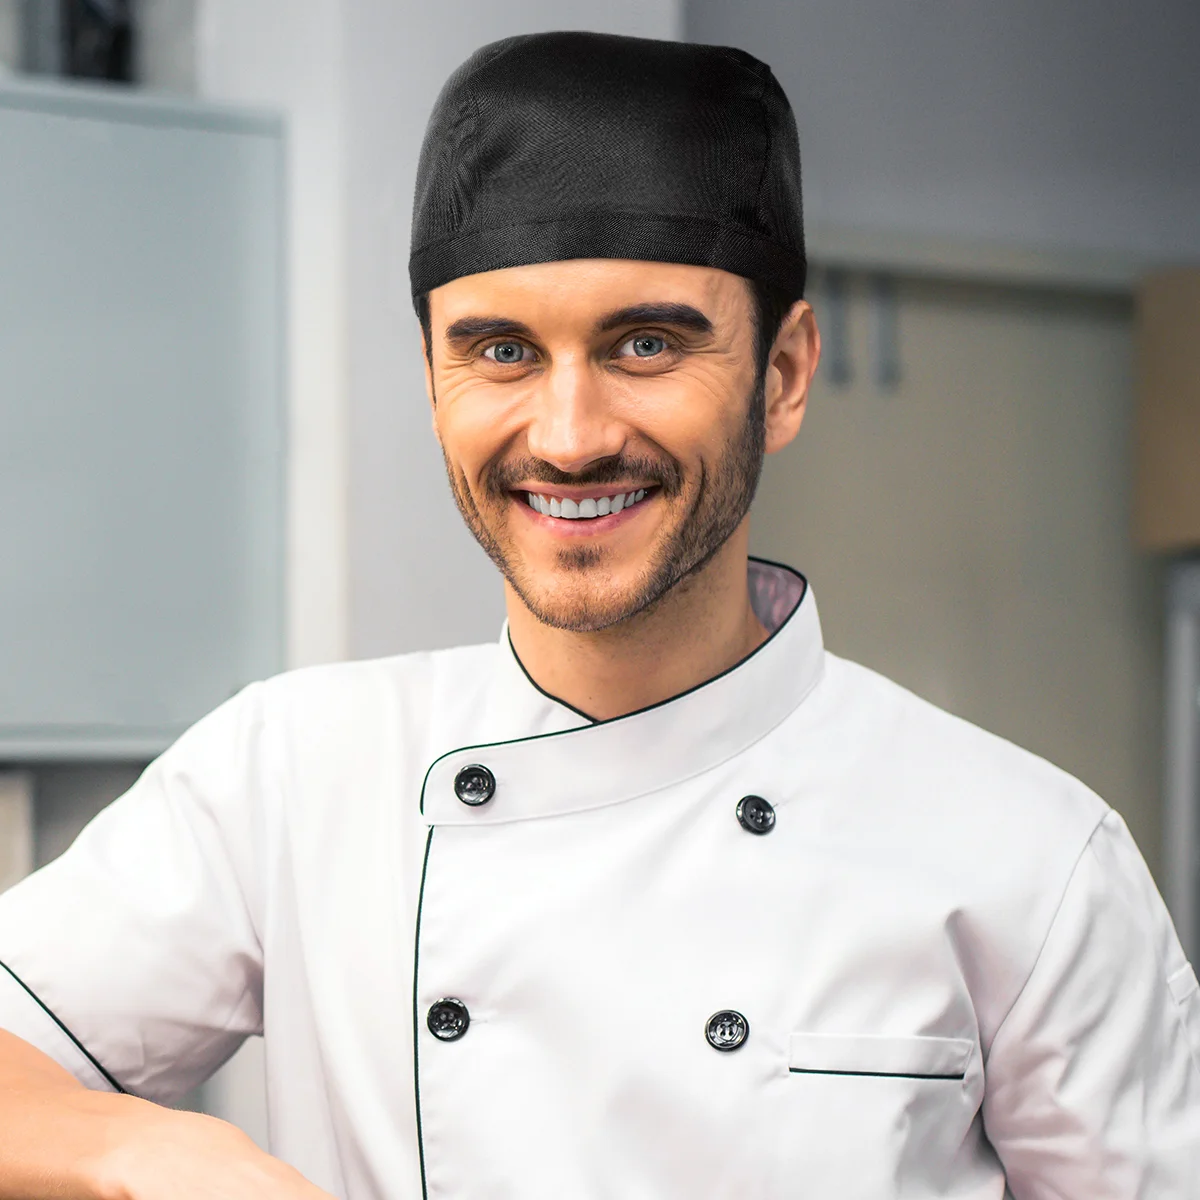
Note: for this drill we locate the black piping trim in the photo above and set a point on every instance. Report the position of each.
(417, 1015)
(539, 737)
(74, 1040)
(537, 687)
(877, 1074)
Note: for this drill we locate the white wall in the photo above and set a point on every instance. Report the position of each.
(165, 48)
(1067, 122)
(287, 55)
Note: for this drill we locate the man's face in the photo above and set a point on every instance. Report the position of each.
(622, 395)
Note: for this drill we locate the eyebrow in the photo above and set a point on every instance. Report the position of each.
(683, 316)
(475, 327)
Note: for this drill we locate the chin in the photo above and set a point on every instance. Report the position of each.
(581, 607)
(577, 594)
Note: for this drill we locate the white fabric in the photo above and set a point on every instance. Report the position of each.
(932, 902)
(22, 1015)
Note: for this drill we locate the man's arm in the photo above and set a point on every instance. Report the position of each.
(131, 967)
(1092, 1083)
(64, 1142)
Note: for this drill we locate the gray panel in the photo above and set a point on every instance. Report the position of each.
(141, 417)
(1065, 126)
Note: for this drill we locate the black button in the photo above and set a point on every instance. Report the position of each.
(755, 814)
(727, 1030)
(448, 1019)
(475, 785)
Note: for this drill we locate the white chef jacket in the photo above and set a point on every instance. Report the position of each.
(954, 972)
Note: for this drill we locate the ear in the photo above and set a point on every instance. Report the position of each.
(790, 368)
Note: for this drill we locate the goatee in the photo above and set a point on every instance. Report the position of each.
(721, 500)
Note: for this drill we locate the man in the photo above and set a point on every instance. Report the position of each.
(654, 898)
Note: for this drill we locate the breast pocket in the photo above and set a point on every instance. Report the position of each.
(873, 1116)
(912, 1057)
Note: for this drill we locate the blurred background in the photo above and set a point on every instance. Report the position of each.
(215, 453)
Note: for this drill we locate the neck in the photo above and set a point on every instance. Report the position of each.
(704, 626)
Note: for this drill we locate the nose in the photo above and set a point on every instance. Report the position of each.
(573, 422)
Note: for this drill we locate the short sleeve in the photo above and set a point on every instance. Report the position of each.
(1092, 1082)
(134, 959)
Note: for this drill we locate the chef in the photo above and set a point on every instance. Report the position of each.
(654, 898)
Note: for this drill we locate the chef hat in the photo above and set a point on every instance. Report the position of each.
(583, 145)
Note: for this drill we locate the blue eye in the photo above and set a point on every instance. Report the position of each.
(505, 353)
(645, 345)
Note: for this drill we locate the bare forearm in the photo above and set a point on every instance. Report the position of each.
(60, 1141)
(55, 1130)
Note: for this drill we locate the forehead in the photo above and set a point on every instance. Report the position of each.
(580, 290)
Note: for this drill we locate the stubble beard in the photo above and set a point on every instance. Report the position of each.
(723, 496)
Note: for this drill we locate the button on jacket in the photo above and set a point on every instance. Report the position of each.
(793, 933)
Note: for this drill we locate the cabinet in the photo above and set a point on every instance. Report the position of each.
(142, 416)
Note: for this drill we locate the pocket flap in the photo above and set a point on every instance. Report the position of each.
(870, 1054)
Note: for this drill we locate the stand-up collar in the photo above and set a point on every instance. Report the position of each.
(578, 765)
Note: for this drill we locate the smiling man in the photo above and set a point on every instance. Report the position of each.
(653, 899)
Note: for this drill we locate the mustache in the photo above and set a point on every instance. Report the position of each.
(503, 477)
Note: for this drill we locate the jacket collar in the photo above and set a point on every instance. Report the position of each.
(560, 762)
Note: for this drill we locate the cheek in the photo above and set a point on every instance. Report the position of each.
(691, 424)
(474, 426)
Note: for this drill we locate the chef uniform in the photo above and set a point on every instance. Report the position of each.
(792, 933)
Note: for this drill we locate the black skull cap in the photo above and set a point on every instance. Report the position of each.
(554, 146)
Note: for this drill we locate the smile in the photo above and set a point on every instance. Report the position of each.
(584, 510)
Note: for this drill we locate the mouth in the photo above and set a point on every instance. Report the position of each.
(576, 514)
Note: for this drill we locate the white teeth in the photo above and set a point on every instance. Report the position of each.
(572, 510)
